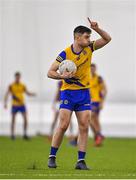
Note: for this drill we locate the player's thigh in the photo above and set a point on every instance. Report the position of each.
(64, 117)
(94, 116)
(13, 115)
(83, 118)
(24, 115)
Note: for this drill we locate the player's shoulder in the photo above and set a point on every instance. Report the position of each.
(68, 48)
(12, 84)
(62, 55)
(22, 84)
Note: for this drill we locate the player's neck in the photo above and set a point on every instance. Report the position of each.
(17, 82)
(93, 74)
(77, 48)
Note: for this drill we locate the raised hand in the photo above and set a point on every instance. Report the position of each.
(93, 24)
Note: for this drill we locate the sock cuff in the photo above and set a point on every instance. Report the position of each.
(83, 152)
(53, 151)
(54, 148)
(80, 160)
(52, 156)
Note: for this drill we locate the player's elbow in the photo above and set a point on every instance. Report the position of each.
(109, 39)
(49, 74)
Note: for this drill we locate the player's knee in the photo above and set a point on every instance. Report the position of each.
(84, 128)
(93, 115)
(63, 127)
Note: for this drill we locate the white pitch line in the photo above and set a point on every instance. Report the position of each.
(99, 175)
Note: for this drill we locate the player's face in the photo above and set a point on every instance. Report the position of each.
(93, 69)
(17, 78)
(84, 40)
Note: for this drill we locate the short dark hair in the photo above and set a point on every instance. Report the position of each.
(82, 30)
(93, 65)
(17, 74)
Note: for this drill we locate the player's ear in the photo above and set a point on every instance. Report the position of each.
(76, 36)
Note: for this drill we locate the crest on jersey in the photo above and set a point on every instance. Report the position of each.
(78, 58)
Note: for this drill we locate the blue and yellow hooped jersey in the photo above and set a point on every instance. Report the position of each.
(17, 91)
(82, 77)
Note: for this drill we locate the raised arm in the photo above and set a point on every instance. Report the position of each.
(105, 37)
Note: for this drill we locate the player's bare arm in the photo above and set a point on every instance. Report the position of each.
(6, 97)
(52, 73)
(29, 93)
(105, 37)
(104, 91)
(104, 94)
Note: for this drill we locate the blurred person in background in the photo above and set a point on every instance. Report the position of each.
(98, 93)
(17, 90)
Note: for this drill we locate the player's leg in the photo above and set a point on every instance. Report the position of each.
(25, 119)
(83, 118)
(98, 135)
(95, 124)
(25, 127)
(14, 111)
(13, 125)
(65, 116)
(92, 123)
(83, 123)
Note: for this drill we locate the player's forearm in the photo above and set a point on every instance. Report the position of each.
(57, 96)
(54, 75)
(103, 97)
(103, 34)
(6, 99)
(31, 94)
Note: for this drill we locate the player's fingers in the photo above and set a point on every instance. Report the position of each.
(72, 74)
(94, 23)
(89, 20)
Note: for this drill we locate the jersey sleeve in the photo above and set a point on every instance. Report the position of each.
(61, 57)
(92, 46)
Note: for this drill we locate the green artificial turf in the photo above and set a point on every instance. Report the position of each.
(28, 159)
